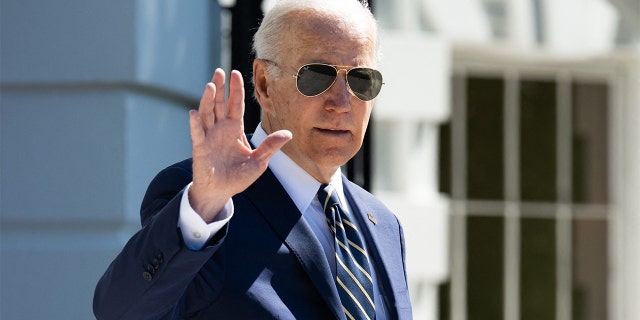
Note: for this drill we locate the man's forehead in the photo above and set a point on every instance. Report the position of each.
(303, 25)
(314, 36)
(307, 15)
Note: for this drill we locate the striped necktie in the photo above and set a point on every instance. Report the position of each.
(353, 276)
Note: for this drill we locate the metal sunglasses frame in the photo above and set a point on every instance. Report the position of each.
(338, 68)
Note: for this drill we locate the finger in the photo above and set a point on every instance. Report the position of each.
(205, 110)
(196, 129)
(271, 144)
(236, 96)
(218, 106)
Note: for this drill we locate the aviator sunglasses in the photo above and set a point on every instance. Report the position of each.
(314, 79)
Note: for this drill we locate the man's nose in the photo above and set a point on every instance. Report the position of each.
(339, 92)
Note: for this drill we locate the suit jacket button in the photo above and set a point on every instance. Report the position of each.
(147, 276)
(156, 263)
(151, 269)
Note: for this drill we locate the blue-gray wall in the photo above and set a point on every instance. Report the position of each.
(93, 102)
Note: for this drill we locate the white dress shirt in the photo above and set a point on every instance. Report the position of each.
(302, 188)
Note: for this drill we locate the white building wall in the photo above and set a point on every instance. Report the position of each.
(419, 38)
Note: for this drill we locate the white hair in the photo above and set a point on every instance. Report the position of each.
(267, 42)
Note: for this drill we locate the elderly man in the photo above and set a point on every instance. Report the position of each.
(275, 231)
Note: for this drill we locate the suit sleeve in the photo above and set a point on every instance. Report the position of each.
(151, 273)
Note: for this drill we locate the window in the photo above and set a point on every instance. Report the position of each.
(524, 160)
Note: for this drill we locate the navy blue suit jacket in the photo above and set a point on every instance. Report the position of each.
(265, 264)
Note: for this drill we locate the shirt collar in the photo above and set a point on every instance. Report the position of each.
(300, 185)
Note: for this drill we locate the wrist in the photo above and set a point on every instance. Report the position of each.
(206, 203)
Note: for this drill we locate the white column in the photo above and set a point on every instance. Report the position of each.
(625, 238)
(458, 20)
(521, 23)
(413, 102)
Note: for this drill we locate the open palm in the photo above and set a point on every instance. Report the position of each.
(224, 163)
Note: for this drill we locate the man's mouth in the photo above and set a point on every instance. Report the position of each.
(333, 131)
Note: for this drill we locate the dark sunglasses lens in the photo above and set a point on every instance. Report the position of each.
(365, 83)
(314, 79)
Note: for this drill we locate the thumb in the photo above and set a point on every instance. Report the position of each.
(272, 143)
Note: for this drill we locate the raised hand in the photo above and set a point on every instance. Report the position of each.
(223, 162)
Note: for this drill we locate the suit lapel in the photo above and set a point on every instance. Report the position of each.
(275, 205)
(377, 230)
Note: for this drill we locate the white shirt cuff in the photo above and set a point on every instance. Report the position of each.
(195, 231)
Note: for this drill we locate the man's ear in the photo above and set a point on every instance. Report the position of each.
(261, 82)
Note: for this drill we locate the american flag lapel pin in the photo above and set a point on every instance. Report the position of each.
(372, 218)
